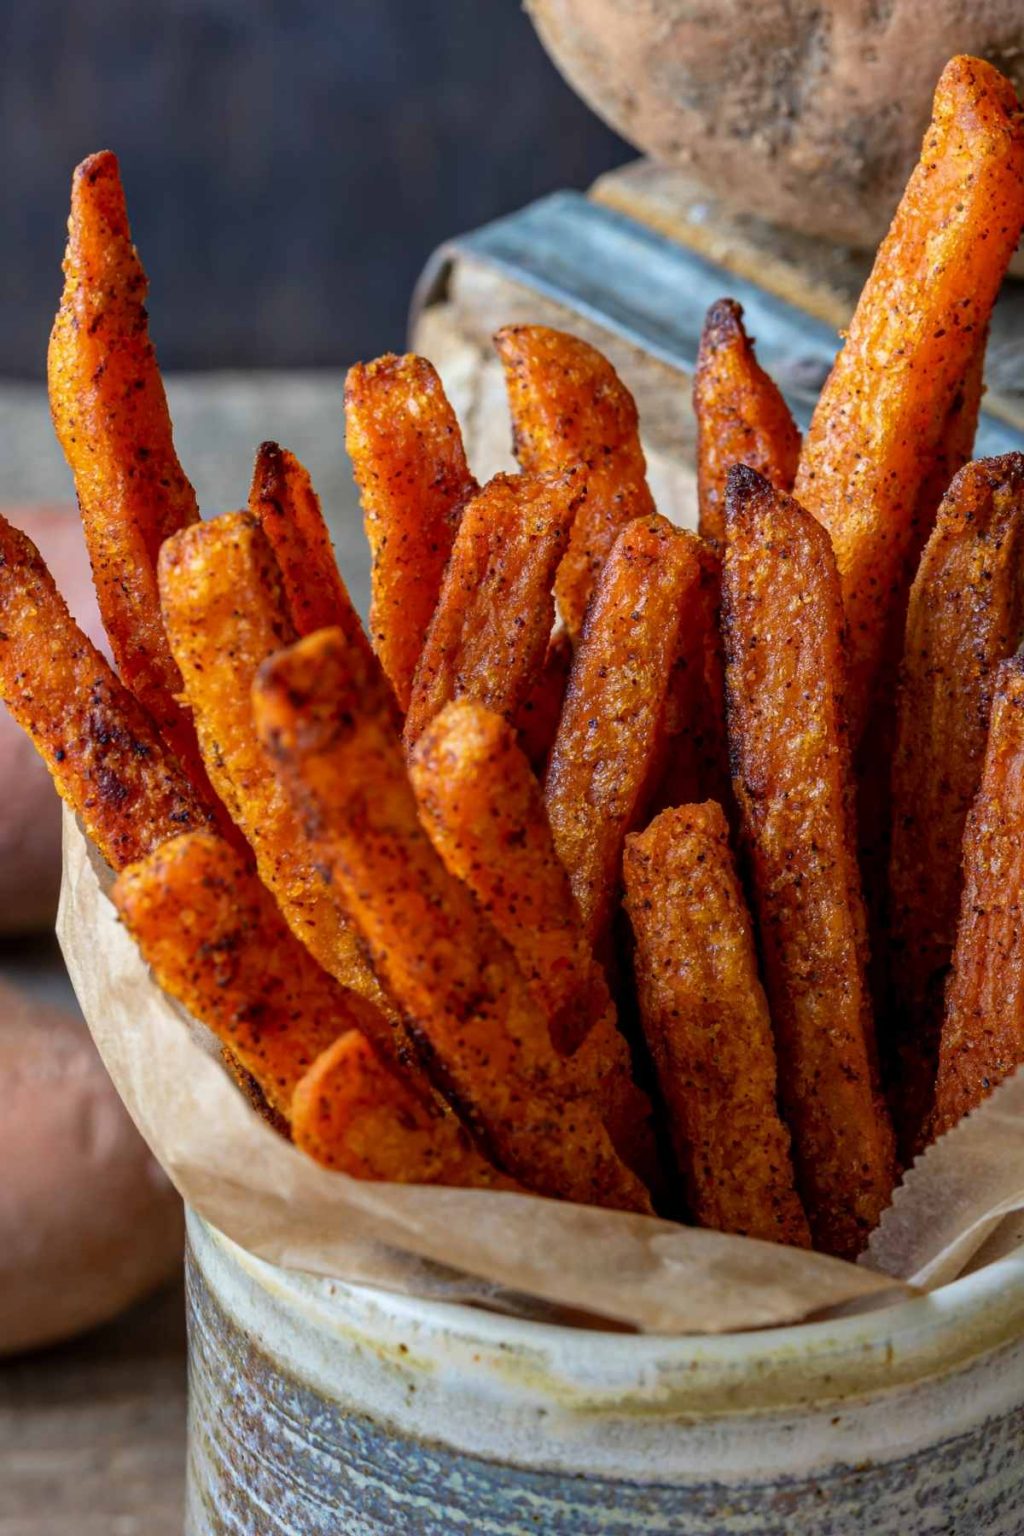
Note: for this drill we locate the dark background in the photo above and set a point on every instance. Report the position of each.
(289, 164)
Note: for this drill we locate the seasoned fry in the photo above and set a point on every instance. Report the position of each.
(706, 1021)
(329, 727)
(490, 631)
(538, 715)
(916, 328)
(111, 418)
(410, 466)
(216, 941)
(784, 673)
(103, 751)
(225, 614)
(965, 616)
(283, 498)
(569, 407)
(983, 1029)
(609, 750)
(354, 1113)
(741, 417)
(954, 448)
(484, 813)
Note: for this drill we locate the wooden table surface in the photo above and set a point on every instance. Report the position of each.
(92, 1433)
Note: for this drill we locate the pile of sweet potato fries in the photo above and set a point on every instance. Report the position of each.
(619, 863)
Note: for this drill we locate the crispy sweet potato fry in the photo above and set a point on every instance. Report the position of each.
(329, 727)
(741, 417)
(410, 466)
(484, 812)
(569, 407)
(965, 616)
(353, 1112)
(283, 498)
(784, 672)
(225, 614)
(103, 751)
(490, 631)
(609, 750)
(216, 941)
(111, 418)
(915, 330)
(983, 1029)
(954, 447)
(706, 1021)
(538, 715)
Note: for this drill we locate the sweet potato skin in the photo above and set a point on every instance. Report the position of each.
(484, 812)
(330, 731)
(965, 616)
(741, 417)
(983, 1028)
(569, 407)
(910, 342)
(705, 1018)
(489, 634)
(216, 942)
(352, 1112)
(610, 746)
(288, 508)
(225, 612)
(782, 613)
(406, 450)
(111, 418)
(103, 751)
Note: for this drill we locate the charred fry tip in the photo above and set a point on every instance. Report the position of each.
(723, 324)
(97, 196)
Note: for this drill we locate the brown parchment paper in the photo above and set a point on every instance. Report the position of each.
(516, 1252)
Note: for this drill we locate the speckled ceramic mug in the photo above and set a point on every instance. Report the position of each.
(318, 1407)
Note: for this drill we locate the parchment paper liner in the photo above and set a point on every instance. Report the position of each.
(515, 1252)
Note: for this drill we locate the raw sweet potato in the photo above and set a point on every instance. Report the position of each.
(484, 812)
(216, 941)
(283, 498)
(569, 407)
(410, 465)
(915, 330)
(741, 417)
(353, 1112)
(965, 616)
(225, 613)
(983, 1029)
(110, 414)
(538, 715)
(328, 724)
(490, 631)
(782, 613)
(705, 1018)
(103, 751)
(610, 746)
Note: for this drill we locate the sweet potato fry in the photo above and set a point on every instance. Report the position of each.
(706, 1021)
(410, 466)
(111, 418)
(484, 812)
(609, 750)
(741, 417)
(490, 631)
(103, 751)
(538, 715)
(225, 613)
(983, 1029)
(283, 498)
(329, 727)
(965, 616)
(915, 330)
(569, 407)
(215, 941)
(351, 1111)
(954, 448)
(784, 672)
